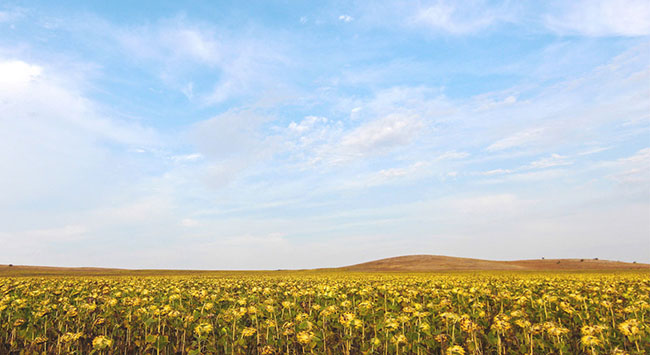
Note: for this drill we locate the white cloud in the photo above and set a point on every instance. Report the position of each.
(518, 139)
(386, 123)
(452, 155)
(193, 43)
(594, 150)
(16, 73)
(632, 171)
(398, 172)
(492, 103)
(380, 135)
(240, 65)
(424, 101)
(601, 17)
(552, 161)
(496, 172)
(346, 18)
(232, 143)
(12, 14)
(592, 18)
(306, 124)
(394, 172)
(460, 18)
(59, 145)
(171, 42)
(641, 157)
(187, 157)
(555, 160)
(52, 94)
(188, 90)
(235, 133)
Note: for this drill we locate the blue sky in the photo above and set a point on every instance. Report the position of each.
(277, 134)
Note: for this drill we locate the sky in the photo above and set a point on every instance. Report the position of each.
(302, 134)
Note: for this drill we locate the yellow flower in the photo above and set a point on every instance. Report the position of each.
(365, 305)
(357, 323)
(305, 337)
(424, 327)
(89, 306)
(392, 324)
(267, 350)
(287, 328)
(399, 339)
(523, 323)
(203, 329)
(537, 329)
(592, 329)
(72, 312)
(70, 337)
(346, 318)
(455, 350)
(329, 310)
(589, 340)
(102, 342)
(500, 323)
(441, 338)
(301, 316)
(467, 325)
(248, 331)
(630, 327)
(554, 330)
(450, 316)
(39, 340)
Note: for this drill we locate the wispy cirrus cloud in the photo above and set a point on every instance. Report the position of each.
(600, 18)
(382, 134)
(238, 64)
(460, 18)
(516, 140)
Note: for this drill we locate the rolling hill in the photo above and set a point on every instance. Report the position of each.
(449, 263)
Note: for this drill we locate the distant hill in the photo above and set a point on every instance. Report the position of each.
(27, 270)
(449, 263)
(407, 263)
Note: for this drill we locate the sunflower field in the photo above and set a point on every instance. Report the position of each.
(328, 313)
